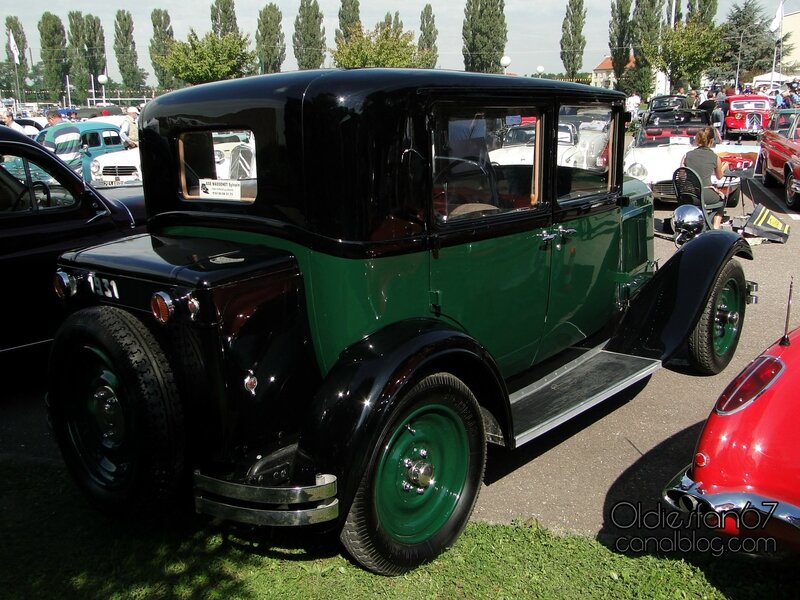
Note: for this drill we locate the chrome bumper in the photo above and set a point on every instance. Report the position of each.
(683, 494)
(258, 505)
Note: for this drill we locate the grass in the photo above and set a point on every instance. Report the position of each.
(53, 545)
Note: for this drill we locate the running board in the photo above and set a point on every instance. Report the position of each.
(574, 388)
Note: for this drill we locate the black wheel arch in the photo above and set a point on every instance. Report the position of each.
(357, 399)
(664, 312)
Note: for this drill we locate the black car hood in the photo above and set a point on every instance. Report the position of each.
(185, 261)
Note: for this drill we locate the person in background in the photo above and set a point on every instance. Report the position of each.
(129, 131)
(632, 103)
(705, 162)
(690, 100)
(9, 121)
(708, 105)
(53, 118)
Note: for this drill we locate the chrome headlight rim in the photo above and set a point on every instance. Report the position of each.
(637, 170)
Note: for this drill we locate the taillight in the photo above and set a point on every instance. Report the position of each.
(749, 384)
(162, 306)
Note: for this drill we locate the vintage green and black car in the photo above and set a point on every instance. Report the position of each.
(330, 329)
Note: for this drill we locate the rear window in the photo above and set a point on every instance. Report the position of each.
(218, 166)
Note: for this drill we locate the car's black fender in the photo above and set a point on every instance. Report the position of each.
(662, 315)
(358, 396)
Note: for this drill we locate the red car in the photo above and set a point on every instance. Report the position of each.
(779, 159)
(747, 115)
(745, 476)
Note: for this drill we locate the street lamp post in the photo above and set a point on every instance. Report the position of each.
(504, 62)
(540, 70)
(102, 79)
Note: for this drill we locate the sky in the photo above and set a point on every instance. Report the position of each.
(534, 26)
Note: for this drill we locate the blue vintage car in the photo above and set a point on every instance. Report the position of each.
(77, 144)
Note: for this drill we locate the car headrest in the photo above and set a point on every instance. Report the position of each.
(652, 132)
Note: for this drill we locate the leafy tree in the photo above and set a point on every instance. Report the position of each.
(381, 47)
(223, 18)
(484, 34)
(14, 25)
(686, 51)
(160, 43)
(54, 54)
(750, 44)
(270, 43)
(308, 39)
(427, 36)
(349, 20)
(702, 11)
(95, 40)
(212, 58)
(125, 51)
(573, 41)
(619, 37)
(646, 26)
(76, 50)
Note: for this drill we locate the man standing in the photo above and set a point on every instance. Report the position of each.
(8, 119)
(690, 100)
(129, 131)
(53, 118)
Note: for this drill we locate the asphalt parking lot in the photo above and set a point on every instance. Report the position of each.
(623, 450)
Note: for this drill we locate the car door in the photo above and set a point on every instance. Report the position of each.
(44, 210)
(585, 249)
(490, 261)
(778, 142)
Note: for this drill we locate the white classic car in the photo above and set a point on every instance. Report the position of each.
(116, 168)
(661, 143)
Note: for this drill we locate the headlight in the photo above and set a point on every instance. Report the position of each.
(94, 167)
(219, 156)
(637, 170)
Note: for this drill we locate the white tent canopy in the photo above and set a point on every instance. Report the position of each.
(766, 78)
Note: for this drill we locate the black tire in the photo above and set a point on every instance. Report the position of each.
(393, 525)
(768, 179)
(714, 339)
(789, 195)
(115, 411)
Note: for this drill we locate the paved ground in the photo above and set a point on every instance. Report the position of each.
(625, 449)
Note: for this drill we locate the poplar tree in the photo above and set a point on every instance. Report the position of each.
(125, 51)
(484, 34)
(573, 41)
(703, 11)
(619, 37)
(308, 40)
(646, 26)
(427, 37)
(349, 20)
(163, 37)
(95, 40)
(13, 24)
(223, 18)
(76, 50)
(53, 42)
(270, 43)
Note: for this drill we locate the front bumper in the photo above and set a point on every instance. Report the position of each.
(259, 505)
(683, 493)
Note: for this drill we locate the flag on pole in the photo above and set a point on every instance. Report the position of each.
(12, 45)
(776, 22)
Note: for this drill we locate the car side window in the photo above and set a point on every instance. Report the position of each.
(486, 161)
(583, 155)
(26, 187)
(91, 139)
(111, 138)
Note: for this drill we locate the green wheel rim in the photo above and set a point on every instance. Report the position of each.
(421, 473)
(96, 422)
(726, 318)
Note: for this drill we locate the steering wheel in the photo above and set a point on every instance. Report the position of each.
(45, 188)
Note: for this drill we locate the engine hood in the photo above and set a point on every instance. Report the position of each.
(177, 260)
